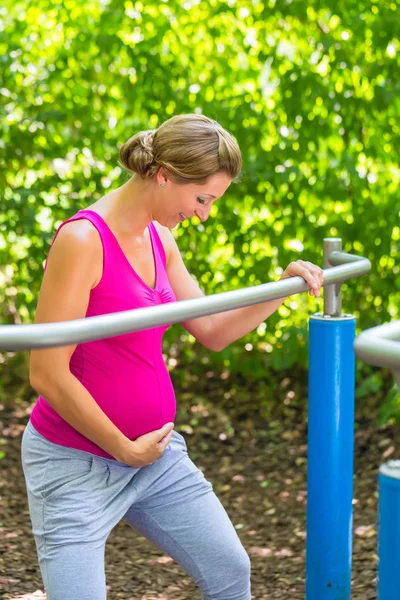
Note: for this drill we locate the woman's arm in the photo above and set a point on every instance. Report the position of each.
(219, 330)
(71, 400)
(71, 272)
(234, 324)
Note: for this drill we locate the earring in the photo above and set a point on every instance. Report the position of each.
(162, 184)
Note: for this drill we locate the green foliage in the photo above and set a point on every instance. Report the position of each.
(390, 409)
(309, 89)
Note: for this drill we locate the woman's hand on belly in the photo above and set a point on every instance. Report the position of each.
(147, 448)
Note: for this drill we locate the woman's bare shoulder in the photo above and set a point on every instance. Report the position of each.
(81, 230)
(80, 239)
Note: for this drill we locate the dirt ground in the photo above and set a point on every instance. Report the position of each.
(258, 471)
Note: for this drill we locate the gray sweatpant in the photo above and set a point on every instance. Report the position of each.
(76, 498)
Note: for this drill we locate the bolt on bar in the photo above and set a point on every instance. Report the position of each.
(45, 335)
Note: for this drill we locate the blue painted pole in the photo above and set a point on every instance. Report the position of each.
(330, 457)
(389, 531)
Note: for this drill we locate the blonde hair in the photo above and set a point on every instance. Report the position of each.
(191, 148)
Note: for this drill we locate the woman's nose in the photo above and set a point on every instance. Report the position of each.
(203, 216)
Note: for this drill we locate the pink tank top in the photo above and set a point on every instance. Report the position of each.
(126, 374)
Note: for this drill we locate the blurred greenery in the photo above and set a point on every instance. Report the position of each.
(311, 91)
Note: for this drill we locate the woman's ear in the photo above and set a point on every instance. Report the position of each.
(160, 176)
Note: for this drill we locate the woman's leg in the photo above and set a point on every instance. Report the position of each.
(181, 514)
(72, 571)
(67, 495)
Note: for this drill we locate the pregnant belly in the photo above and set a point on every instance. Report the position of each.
(137, 418)
(140, 405)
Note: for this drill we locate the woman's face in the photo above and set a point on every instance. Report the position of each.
(184, 201)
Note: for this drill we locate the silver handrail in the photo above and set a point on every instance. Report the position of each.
(380, 346)
(44, 335)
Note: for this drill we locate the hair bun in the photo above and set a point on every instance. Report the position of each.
(137, 154)
(146, 141)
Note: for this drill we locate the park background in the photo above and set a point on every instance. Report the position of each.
(311, 92)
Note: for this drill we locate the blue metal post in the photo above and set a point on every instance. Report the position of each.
(389, 531)
(330, 457)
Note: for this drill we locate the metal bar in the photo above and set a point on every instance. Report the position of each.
(330, 458)
(378, 346)
(44, 335)
(332, 293)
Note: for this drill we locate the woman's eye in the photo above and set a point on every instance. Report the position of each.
(201, 200)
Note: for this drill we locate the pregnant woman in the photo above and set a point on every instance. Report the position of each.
(100, 445)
